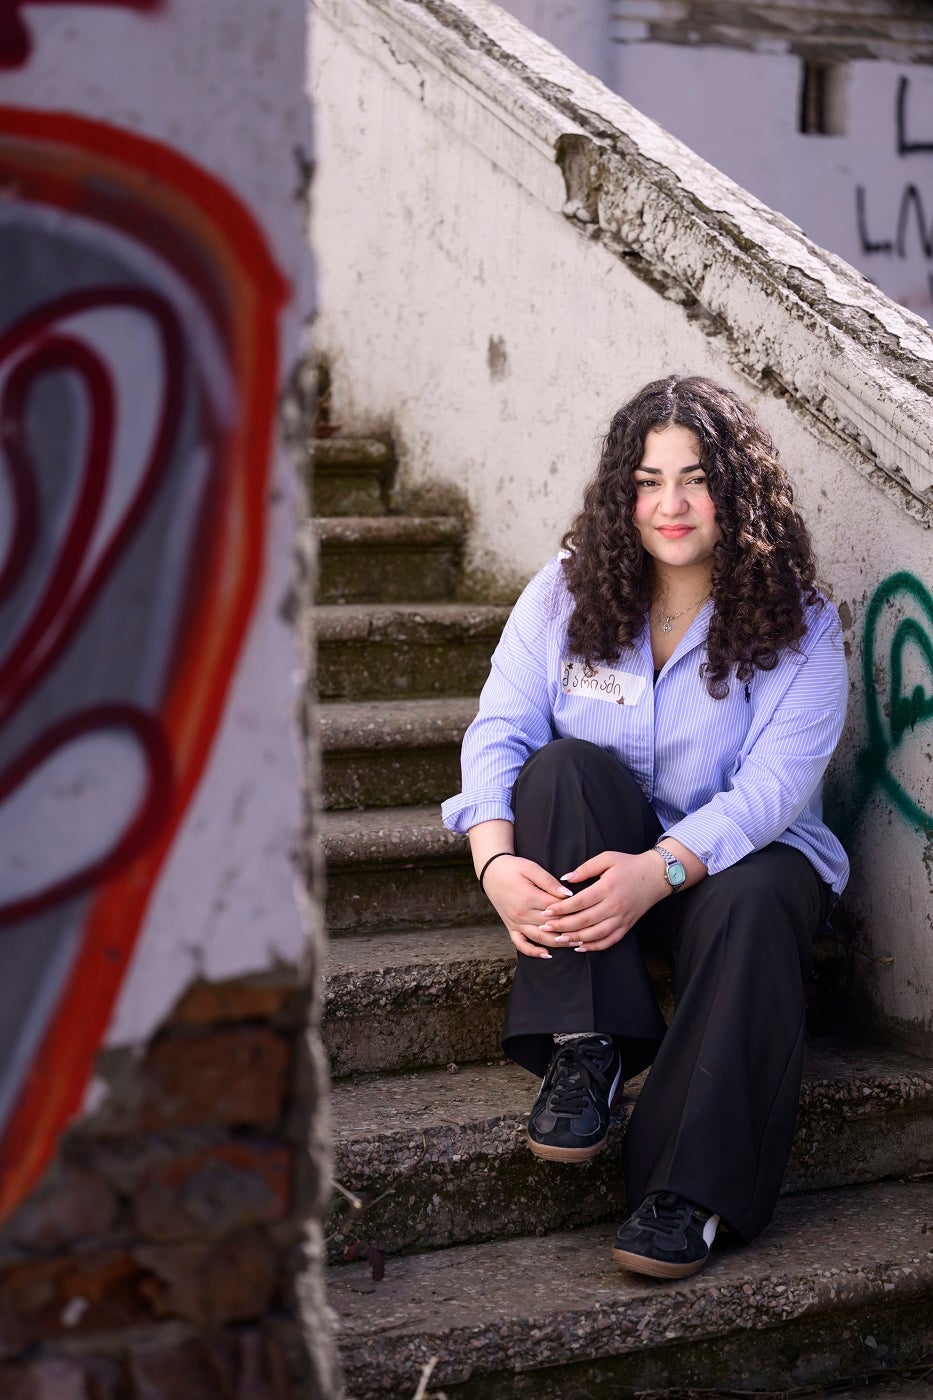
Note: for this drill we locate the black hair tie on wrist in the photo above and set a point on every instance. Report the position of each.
(489, 863)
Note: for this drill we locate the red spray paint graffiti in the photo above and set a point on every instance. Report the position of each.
(15, 39)
(146, 317)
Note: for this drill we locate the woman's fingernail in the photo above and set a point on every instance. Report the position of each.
(567, 892)
(545, 928)
(579, 948)
(567, 877)
(544, 955)
(562, 938)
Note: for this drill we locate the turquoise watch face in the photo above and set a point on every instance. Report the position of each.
(673, 869)
(676, 874)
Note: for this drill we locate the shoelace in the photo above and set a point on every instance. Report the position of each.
(572, 1085)
(666, 1213)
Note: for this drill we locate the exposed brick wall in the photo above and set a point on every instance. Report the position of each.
(157, 1259)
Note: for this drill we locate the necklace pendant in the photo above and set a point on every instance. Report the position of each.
(666, 625)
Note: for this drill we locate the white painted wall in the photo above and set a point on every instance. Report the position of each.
(493, 326)
(739, 108)
(739, 111)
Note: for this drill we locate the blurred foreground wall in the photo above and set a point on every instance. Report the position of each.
(153, 959)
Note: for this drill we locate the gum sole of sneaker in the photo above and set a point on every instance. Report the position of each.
(564, 1154)
(656, 1268)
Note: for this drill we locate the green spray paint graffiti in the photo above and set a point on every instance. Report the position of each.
(891, 717)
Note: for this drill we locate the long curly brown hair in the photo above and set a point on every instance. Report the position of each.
(764, 572)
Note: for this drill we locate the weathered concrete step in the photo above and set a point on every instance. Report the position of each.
(398, 867)
(388, 558)
(384, 753)
(419, 998)
(909, 1383)
(404, 650)
(350, 476)
(445, 1155)
(838, 1277)
(424, 997)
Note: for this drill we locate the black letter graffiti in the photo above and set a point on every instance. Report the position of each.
(912, 196)
(905, 147)
(868, 246)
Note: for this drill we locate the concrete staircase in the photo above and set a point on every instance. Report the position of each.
(497, 1278)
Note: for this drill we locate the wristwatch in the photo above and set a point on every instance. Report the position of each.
(674, 873)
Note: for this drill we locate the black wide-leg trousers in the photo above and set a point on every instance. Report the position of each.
(715, 1119)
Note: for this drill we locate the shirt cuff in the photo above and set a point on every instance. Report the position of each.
(714, 839)
(469, 809)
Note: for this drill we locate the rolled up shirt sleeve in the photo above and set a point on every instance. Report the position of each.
(515, 710)
(780, 771)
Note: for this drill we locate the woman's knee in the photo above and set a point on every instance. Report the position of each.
(560, 755)
(571, 770)
(556, 767)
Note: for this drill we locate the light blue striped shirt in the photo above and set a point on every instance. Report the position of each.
(725, 777)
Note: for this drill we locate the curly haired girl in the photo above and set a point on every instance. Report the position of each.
(645, 773)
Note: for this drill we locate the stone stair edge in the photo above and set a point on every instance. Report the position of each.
(402, 724)
(351, 451)
(478, 1112)
(840, 1072)
(388, 835)
(365, 622)
(463, 976)
(368, 531)
(532, 1303)
(411, 949)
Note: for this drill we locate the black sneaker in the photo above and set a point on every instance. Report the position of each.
(570, 1118)
(667, 1237)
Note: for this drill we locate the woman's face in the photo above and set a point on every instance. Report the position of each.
(674, 513)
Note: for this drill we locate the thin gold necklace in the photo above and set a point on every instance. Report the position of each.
(670, 618)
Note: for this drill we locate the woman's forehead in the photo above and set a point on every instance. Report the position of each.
(671, 448)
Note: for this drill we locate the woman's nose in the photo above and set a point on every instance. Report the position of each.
(673, 498)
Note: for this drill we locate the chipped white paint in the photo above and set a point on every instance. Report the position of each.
(728, 79)
(507, 250)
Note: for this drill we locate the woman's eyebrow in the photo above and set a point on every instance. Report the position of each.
(656, 471)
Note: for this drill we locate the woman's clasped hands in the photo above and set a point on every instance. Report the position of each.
(540, 912)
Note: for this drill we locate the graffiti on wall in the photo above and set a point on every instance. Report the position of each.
(15, 38)
(138, 380)
(897, 678)
(910, 231)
